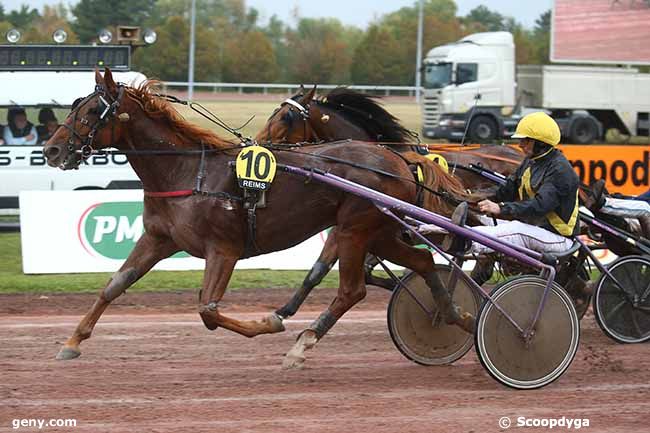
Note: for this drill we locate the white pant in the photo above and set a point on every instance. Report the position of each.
(522, 234)
(626, 208)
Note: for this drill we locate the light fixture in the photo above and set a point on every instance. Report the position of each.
(149, 36)
(13, 36)
(59, 36)
(105, 36)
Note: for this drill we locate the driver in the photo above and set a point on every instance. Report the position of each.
(540, 198)
(19, 130)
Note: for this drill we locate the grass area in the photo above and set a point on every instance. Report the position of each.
(236, 113)
(12, 279)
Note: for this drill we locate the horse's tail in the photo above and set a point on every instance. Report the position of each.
(449, 189)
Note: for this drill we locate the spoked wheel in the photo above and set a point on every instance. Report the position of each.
(415, 325)
(623, 313)
(501, 347)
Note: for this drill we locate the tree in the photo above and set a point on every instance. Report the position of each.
(440, 26)
(23, 17)
(167, 59)
(250, 59)
(542, 38)
(93, 15)
(489, 20)
(53, 18)
(318, 52)
(275, 31)
(374, 58)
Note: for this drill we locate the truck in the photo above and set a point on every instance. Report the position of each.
(38, 76)
(474, 90)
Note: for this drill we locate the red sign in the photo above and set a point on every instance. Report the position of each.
(601, 31)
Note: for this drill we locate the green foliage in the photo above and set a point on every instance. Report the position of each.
(53, 18)
(250, 59)
(93, 15)
(374, 58)
(319, 52)
(489, 20)
(23, 17)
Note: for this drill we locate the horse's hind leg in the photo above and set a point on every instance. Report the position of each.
(323, 265)
(148, 251)
(421, 262)
(352, 289)
(218, 270)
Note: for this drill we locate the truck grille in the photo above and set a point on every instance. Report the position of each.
(431, 111)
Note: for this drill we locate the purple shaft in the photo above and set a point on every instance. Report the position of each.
(528, 257)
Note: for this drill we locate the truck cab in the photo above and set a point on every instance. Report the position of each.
(474, 90)
(478, 70)
(34, 87)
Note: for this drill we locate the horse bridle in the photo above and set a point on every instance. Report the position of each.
(106, 109)
(303, 111)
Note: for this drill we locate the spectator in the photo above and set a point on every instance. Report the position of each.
(2, 130)
(19, 131)
(48, 125)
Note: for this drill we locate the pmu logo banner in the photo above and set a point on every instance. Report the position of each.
(95, 231)
(111, 229)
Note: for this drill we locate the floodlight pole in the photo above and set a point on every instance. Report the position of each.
(418, 56)
(190, 69)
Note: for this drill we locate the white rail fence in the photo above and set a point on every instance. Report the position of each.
(266, 88)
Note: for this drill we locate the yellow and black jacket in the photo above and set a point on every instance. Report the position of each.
(542, 192)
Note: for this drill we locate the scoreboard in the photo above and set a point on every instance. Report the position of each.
(64, 57)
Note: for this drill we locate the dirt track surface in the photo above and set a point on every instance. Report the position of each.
(151, 366)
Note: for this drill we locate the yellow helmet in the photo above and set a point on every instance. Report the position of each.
(539, 126)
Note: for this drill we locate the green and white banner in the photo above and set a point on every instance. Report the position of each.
(94, 231)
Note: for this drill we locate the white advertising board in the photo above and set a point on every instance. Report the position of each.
(94, 231)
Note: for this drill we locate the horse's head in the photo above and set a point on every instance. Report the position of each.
(291, 122)
(93, 123)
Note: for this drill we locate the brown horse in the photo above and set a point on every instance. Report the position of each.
(346, 114)
(169, 155)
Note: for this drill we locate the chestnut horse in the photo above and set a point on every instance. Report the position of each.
(346, 114)
(168, 154)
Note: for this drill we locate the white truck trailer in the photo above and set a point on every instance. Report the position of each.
(24, 168)
(473, 86)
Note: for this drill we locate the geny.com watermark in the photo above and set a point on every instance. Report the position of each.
(550, 423)
(43, 423)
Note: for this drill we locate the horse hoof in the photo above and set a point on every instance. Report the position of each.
(68, 353)
(275, 323)
(293, 362)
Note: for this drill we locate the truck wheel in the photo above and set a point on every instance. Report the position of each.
(483, 128)
(584, 130)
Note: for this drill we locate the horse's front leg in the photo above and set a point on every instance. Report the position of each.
(218, 270)
(148, 251)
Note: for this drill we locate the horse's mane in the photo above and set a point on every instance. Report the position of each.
(156, 107)
(364, 111)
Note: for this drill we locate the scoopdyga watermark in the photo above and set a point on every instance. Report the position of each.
(550, 423)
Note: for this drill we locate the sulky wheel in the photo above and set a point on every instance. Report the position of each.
(421, 336)
(623, 313)
(501, 347)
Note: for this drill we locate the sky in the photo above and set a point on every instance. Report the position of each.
(355, 12)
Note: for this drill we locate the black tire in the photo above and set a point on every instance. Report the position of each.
(483, 129)
(584, 130)
(414, 333)
(625, 316)
(546, 356)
